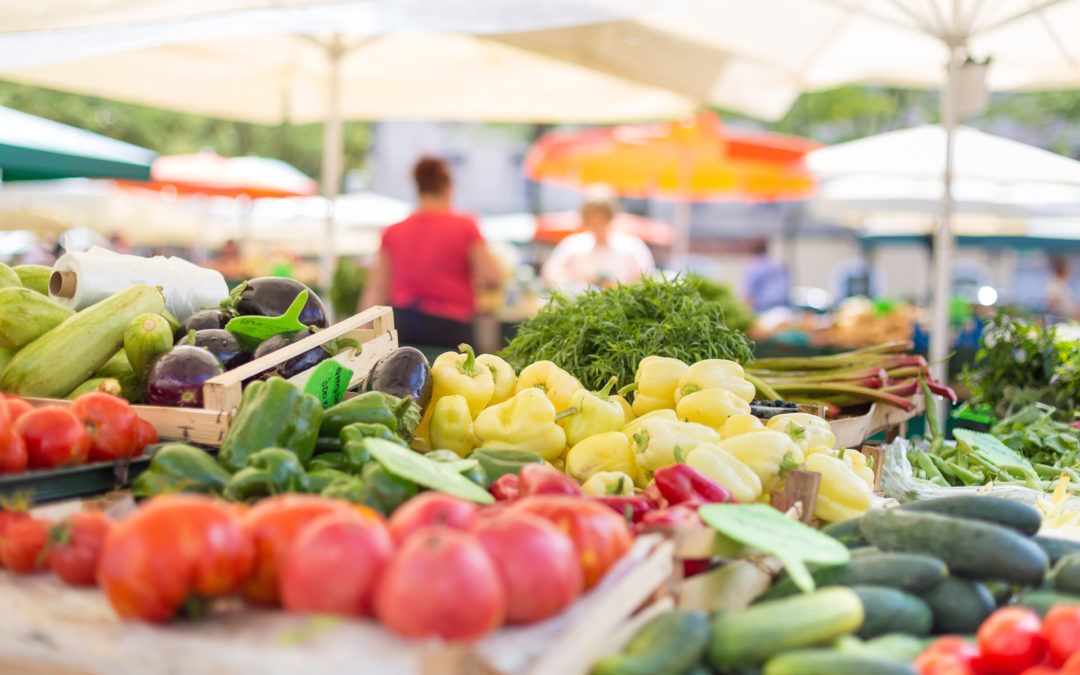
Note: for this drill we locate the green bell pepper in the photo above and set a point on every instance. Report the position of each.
(384, 491)
(374, 407)
(178, 467)
(358, 431)
(470, 468)
(270, 471)
(325, 444)
(329, 460)
(272, 413)
(497, 463)
(323, 478)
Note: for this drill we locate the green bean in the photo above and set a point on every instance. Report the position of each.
(943, 466)
(938, 480)
(927, 465)
(968, 477)
(933, 424)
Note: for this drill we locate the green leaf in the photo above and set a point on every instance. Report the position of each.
(444, 477)
(251, 330)
(991, 449)
(764, 528)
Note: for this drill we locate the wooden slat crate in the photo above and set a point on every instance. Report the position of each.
(373, 329)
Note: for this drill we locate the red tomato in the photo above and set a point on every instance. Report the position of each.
(54, 437)
(111, 424)
(1061, 629)
(1041, 670)
(441, 583)
(1072, 665)
(949, 655)
(174, 548)
(334, 563)
(431, 508)
(145, 434)
(274, 524)
(1010, 640)
(75, 547)
(17, 407)
(12, 446)
(600, 536)
(22, 548)
(537, 564)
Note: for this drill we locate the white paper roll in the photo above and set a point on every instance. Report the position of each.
(100, 273)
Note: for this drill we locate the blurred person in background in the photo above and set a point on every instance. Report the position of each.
(765, 281)
(599, 256)
(430, 265)
(1059, 299)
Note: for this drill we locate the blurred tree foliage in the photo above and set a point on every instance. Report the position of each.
(169, 132)
(847, 113)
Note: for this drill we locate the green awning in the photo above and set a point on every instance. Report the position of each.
(33, 148)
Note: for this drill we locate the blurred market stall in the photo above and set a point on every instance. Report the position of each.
(692, 159)
(32, 148)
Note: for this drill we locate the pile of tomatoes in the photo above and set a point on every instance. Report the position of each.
(96, 427)
(440, 567)
(1012, 641)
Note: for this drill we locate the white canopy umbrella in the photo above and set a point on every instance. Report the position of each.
(358, 220)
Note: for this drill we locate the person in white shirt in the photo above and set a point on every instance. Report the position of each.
(600, 256)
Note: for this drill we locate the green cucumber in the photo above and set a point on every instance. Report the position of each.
(1055, 548)
(144, 338)
(834, 662)
(1008, 512)
(670, 644)
(119, 368)
(1042, 601)
(34, 277)
(970, 548)
(846, 532)
(888, 610)
(67, 355)
(8, 277)
(761, 631)
(959, 606)
(912, 572)
(5, 358)
(898, 646)
(25, 316)
(1065, 576)
(109, 385)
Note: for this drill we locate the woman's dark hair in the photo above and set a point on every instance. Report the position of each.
(432, 176)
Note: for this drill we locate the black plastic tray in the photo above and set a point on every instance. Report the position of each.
(84, 480)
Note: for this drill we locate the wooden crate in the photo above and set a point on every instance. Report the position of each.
(47, 627)
(373, 329)
(852, 432)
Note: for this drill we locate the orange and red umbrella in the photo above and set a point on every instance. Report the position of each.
(210, 174)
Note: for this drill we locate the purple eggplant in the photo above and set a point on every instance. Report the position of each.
(271, 296)
(204, 319)
(176, 377)
(403, 372)
(222, 344)
(296, 364)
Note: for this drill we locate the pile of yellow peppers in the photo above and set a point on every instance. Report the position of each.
(694, 413)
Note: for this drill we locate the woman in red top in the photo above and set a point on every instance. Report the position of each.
(429, 264)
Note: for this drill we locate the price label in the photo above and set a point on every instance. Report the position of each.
(328, 382)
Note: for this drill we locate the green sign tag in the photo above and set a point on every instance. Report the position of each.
(251, 330)
(328, 382)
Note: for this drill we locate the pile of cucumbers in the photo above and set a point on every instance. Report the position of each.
(932, 567)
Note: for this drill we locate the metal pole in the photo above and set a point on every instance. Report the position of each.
(944, 242)
(333, 155)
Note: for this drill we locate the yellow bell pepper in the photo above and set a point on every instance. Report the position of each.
(503, 375)
(452, 425)
(559, 464)
(656, 378)
(628, 411)
(524, 422)
(656, 439)
(592, 413)
(770, 454)
(711, 407)
(842, 494)
(740, 424)
(714, 374)
(609, 451)
(609, 483)
(806, 430)
(558, 385)
(454, 373)
(855, 460)
(722, 466)
(634, 425)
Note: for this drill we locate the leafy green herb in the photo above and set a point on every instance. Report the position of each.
(604, 334)
(1034, 433)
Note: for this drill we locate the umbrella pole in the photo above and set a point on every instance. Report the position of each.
(944, 242)
(333, 156)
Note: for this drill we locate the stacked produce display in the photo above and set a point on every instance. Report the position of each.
(451, 499)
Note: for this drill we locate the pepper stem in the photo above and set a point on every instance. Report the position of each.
(787, 464)
(605, 393)
(679, 457)
(633, 386)
(468, 366)
(563, 414)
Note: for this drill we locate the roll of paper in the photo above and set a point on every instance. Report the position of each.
(90, 276)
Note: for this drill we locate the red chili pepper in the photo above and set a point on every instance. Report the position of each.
(506, 488)
(942, 390)
(652, 493)
(632, 508)
(538, 479)
(680, 516)
(680, 483)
